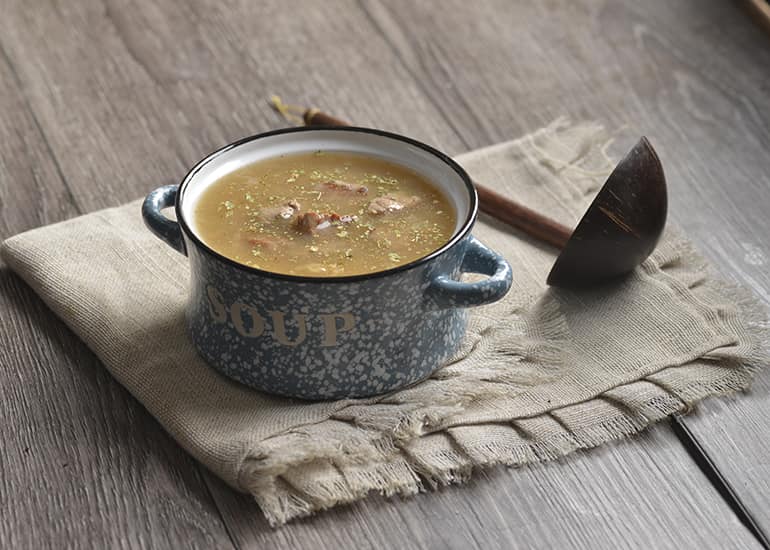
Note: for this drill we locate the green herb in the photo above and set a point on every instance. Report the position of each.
(228, 207)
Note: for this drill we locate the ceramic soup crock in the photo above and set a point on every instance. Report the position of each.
(330, 337)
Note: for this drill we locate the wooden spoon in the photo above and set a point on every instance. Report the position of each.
(617, 233)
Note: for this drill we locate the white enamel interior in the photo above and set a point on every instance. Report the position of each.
(394, 150)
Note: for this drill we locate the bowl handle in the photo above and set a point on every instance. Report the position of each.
(444, 292)
(165, 229)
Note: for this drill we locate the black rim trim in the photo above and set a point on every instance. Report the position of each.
(458, 235)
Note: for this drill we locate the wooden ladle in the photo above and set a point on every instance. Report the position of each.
(617, 233)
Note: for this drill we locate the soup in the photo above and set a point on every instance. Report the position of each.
(324, 214)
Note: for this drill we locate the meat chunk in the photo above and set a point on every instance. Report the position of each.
(381, 205)
(389, 203)
(284, 212)
(343, 186)
(310, 222)
(265, 242)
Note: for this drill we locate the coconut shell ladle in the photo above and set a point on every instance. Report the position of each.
(617, 233)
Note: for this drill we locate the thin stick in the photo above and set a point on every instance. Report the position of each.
(527, 220)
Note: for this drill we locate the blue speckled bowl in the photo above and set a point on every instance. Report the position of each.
(330, 337)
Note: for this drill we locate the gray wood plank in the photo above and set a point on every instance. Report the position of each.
(82, 464)
(691, 75)
(130, 96)
(640, 493)
(32, 191)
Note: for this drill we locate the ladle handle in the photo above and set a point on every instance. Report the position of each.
(493, 203)
(519, 216)
(314, 117)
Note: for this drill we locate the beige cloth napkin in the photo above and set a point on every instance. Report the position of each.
(541, 373)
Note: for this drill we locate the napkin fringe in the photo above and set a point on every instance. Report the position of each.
(409, 445)
(282, 504)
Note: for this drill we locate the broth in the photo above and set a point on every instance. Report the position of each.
(324, 214)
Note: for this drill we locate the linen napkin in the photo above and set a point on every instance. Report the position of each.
(540, 374)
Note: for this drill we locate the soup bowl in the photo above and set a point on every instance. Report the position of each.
(330, 337)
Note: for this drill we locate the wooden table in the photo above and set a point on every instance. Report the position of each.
(101, 101)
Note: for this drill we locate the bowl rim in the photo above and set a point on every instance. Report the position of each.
(457, 236)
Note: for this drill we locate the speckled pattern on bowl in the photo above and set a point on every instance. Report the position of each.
(330, 337)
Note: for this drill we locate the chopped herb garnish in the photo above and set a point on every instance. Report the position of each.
(262, 210)
(228, 208)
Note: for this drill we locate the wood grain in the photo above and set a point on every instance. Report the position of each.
(125, 113)
(690, 75)
(82, 464)
(102, 101)
(641, 493)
